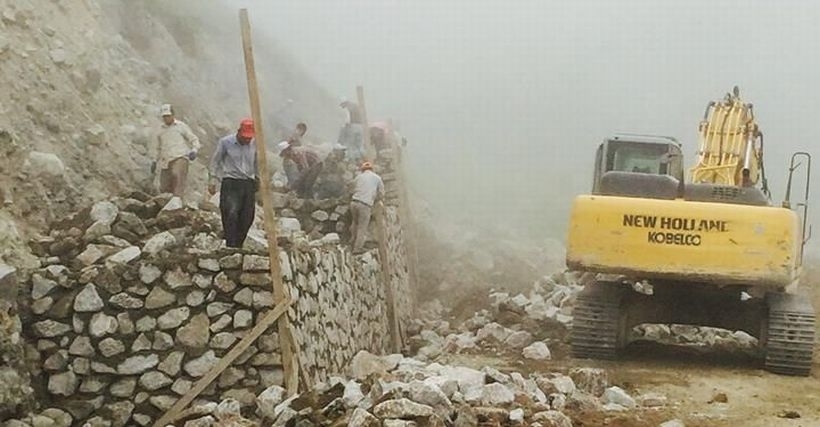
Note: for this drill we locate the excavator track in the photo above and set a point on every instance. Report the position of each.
(596, 327)
(789, 336)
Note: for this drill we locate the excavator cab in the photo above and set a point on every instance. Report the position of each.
(638, 166)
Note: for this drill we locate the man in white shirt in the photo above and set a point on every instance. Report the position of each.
(367, 189)
(176, 146)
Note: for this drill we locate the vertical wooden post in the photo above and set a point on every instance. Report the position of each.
(370, 151)
(380, 213)
(280, 292)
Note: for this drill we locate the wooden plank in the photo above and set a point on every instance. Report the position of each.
(237, 350)
(280, 292)
(386, 275)
(370, 150)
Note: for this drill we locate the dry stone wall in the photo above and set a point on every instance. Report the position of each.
(137, 299)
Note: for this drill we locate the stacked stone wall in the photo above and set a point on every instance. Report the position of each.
(137, 300)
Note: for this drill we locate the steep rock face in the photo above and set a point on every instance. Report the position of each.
(81, 87)
(15, 393)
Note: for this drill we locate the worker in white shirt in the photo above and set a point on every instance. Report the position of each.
(367, 189)
(176, 146)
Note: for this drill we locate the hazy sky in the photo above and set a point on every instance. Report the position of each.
(504, 102)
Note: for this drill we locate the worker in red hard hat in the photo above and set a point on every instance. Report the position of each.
(367, 189)
(234, 164)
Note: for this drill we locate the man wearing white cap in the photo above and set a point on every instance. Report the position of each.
(176, 146)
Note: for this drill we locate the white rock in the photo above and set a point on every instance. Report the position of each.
(465, 377)
(673, 423)
(137, 364)
(90, 255)
(174, 204)
(64, 384)
(104, 212)
(289, 226)
(177, 279)
(496, 394)
(268, 400)
(365, 364)
(353, 394)
(124, 256)
(618, 396)
(154, 380)
(428, 394)
(494, 331)
(401, 408)
(552, 419)
(201, 365)
(362, 418)
(517, 416)
(88, 300)
(149, 273)
(111, 347)
(102, 324)
(173, 318)
(159, 242)
(537, 351)
(518, 339)
(209, 264)
(44, 164)
(40, 286)
(242, 319)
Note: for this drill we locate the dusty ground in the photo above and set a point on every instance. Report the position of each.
(756, 398)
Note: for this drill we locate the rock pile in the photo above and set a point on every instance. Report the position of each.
(518, 324)
(137, 298)
(399, 391)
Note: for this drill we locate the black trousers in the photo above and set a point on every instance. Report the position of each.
(237, 203)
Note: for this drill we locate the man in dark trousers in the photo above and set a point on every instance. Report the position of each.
(234, 163)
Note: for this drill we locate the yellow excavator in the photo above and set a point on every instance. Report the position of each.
(714, 249)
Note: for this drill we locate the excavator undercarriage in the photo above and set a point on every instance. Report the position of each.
(605, 313)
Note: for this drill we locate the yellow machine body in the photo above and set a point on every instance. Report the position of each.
(716, 243)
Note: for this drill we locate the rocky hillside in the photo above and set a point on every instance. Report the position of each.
(80, 87)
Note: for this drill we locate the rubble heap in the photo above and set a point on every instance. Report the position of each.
(137, 298)
(399, 391)
(521, 325)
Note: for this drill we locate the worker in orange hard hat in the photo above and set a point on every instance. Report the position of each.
(367, 189)
(234, 164)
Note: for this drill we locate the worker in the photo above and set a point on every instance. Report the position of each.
(234, 163)
(176, 146)
(296, 137)
(331, 182)
(351, 135)
(367, 189)
(308, 166)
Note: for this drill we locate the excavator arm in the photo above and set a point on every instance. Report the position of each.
(730, 151)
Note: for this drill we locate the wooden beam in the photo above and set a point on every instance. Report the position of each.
(280, 292)
(380, 213)
(261, 326)
(369, 149)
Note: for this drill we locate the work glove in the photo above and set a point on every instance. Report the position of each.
(192, 156)
(153, 167)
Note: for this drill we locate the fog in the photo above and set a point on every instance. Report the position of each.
(504, 103)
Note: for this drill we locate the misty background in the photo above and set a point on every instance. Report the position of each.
(504, 103)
